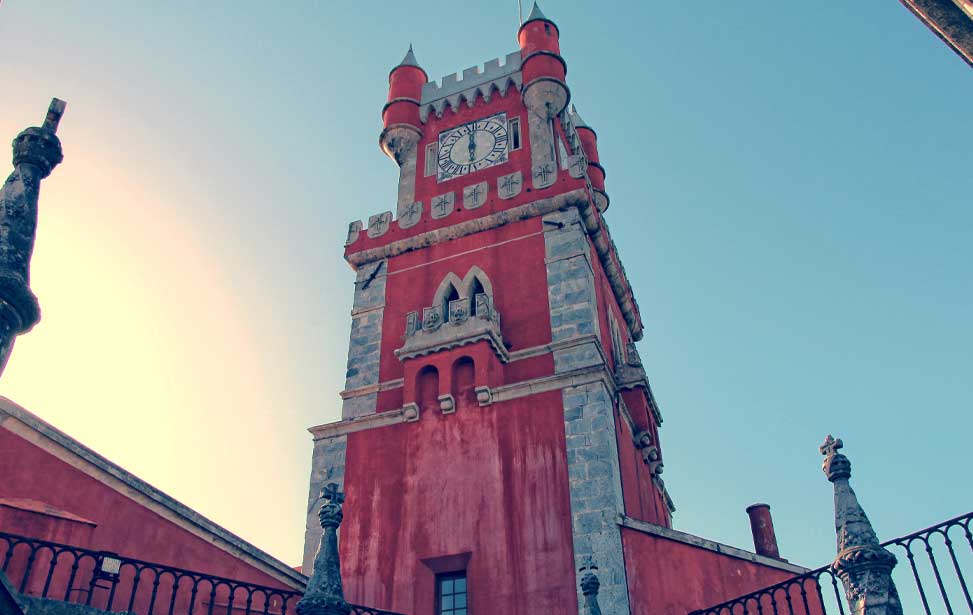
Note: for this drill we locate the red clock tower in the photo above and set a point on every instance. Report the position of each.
(498, 432)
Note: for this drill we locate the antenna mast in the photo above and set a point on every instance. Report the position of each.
(520, 11)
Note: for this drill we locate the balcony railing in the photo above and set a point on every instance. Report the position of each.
(929, 577)
(114, 583)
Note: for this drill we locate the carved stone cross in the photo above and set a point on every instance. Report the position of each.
(831, 446)
(332, 495)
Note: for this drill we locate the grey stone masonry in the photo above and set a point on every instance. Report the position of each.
(589, 414)
(596, 491)
(327, 466)
(570, 289)
(366, 337)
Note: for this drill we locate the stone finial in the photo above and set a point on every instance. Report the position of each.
(36, 151)
(324, 594)
(862, 564)
(589, 586)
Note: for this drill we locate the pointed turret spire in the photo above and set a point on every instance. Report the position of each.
(536, 14)
(408, 60)
(576, 119)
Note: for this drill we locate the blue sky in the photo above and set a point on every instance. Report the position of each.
(790, 193)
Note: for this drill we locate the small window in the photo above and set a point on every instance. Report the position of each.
(430, 168)
(514, 133)
(451, 594)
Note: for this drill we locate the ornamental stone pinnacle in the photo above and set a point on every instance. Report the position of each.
(324, 595)
(36, 151)
(862, 564)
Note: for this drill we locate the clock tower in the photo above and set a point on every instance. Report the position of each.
(498, 432)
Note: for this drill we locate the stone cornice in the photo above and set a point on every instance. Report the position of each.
(710, 545)
(25, 424)
(596, 228)
(947, 21)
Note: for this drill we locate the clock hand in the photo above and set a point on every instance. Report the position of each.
(472, 146)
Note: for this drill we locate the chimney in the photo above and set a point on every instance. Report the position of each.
(762, 526)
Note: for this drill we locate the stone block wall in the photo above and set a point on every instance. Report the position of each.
(327, 466)
(589, 419)
(364, 346)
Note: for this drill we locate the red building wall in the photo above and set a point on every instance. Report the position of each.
(97, 512)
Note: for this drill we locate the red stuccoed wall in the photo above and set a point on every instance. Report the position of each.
(123, 525)
(667, 577)
(482, 488)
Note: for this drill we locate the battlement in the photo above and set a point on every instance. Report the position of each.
(472, 83)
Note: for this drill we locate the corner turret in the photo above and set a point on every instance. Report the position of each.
(544, 70)
(589, 144)
(402, 127)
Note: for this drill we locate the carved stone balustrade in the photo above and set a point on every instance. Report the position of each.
(435, 331)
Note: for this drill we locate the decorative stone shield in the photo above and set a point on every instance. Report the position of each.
(378, 224)
(459, 311)
(577, 166)
(475, 196)
(432, 318)
(442, 205)
(354, 229)
(483, 306)
(411, 323)
(545, 174)
(410, 215)
(509, 186)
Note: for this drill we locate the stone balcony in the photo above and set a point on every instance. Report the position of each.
(461, 326)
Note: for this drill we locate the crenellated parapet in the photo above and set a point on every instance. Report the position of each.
(472, 84)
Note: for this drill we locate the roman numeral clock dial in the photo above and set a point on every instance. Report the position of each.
(472, 147)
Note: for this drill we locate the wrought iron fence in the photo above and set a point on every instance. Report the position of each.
(929, 577)
(114, 583)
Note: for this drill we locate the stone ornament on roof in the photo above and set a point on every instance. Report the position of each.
(36, 151)
(862, 564)
(325, 595)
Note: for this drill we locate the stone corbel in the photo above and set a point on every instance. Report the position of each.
(447, 404)
(410, 412)
(483, 396)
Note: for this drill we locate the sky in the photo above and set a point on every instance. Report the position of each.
(790, 192)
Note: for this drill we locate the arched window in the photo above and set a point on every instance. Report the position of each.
(463, 381)
(451, 294)
(427, 388)
(475, 290)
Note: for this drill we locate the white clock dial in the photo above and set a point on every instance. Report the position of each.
(472, 147)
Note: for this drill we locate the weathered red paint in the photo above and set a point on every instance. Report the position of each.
(491, 483)
(673, 578)
(762, 527)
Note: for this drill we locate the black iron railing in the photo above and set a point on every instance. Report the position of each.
(929, 577)
(114, 583)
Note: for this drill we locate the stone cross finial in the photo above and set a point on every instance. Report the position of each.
(54, 113)
(864, 567)
(325, 595)
(36, 151)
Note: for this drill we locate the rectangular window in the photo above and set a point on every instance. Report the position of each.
(514, 133)
(451, 594)
(430, 168)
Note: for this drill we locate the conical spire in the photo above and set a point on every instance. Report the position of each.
(536, 14)
(576, 119)
(408, 60)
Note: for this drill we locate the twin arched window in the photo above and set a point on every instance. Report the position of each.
(452, 288)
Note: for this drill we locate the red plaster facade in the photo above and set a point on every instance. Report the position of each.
(516, 460)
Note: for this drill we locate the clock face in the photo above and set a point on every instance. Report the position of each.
(472, 147)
